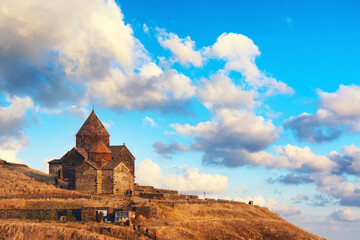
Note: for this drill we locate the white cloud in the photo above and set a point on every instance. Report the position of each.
(345, 102)
(230, 137)
(240, 53)
(283, 209)
(75, 110)
(182, 49)
(221, 92)
(346, 215)
(9, 148)
(339, 113)
(295, 157)
(12, 122)
(92, 28)
(348, 161)
(145, 28)
(12, 117)
(98, 52)
(301, 198)
(136, 91)
(185, 179)
(78, 111)
(148, 120)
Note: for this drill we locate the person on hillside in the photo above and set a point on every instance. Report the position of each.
(147, 232)
(155, 235)
(134, 227)
(139, 227)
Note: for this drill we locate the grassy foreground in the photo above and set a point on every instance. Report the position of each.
(180, 221)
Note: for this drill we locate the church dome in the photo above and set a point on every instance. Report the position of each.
(92, 126)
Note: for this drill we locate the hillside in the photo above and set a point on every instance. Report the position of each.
(178, 220)
(222, 221)
(22, 180)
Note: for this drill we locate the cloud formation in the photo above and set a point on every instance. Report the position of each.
(283, 210)
(185, 179)
(148, 120)
(150, 89)
(346, 215)
(9, 148)
(92, 55)
(183, 50)
(12, 117)
(339, 113)
(221, 92)
(12, 124)
(166, 150)
(239, 53)
(229, 133)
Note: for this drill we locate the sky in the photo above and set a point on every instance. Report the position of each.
(242, 100)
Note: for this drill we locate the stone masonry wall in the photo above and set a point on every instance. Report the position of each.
(69, 160)
(55, 169)
(86, 178)
(87, 141)
(107, 182)
(123, 180)
(98, 187)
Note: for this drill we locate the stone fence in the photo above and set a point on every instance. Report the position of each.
(45, 196)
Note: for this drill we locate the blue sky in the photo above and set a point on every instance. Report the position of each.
(244, 100)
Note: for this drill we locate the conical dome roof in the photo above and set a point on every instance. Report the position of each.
(92, 126)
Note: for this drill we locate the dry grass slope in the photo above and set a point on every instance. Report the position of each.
(21, 230)
(27, 181)
(31, 230)
(184, 221)
(222, 221)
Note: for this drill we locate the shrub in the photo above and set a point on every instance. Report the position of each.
(69, 215)
(22, 216)
(51, 215)
(41, 216)
(85, 219)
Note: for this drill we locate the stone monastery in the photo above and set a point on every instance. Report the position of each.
(93, 166)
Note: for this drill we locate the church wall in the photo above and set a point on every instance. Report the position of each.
(55, 169)
(71, 182)
(107, 181)
(70, 160)
(87, 141)
(99, 181)
(86, 179)
(126, 158)
(123, 180)
(100, 158)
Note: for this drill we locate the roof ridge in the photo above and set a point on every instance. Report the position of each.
(99, 147)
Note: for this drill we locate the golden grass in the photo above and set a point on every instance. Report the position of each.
(16, 230)
(25, 229)
(26, 181)
(221, 221)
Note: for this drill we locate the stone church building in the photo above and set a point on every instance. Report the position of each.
(94, 166)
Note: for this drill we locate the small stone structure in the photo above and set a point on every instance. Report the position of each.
(94, 166)
(161, 194)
